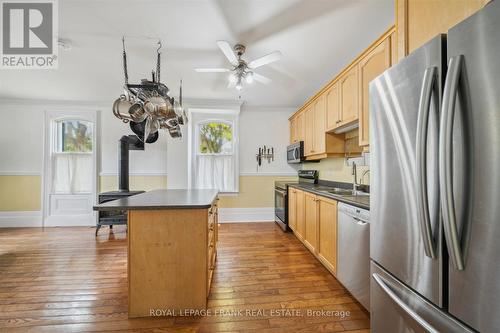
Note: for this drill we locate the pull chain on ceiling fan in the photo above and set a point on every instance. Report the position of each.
(241, 70)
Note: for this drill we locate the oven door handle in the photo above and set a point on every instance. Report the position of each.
(283, 193)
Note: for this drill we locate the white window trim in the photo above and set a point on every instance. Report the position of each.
(230, 116)
(61, 113)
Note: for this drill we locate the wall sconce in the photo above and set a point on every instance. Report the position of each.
(264, 154)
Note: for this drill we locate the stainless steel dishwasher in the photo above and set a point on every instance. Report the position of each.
(353, 269)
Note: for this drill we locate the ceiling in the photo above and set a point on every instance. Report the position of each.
(317, 38)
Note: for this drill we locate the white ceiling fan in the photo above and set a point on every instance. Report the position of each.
(241, 70)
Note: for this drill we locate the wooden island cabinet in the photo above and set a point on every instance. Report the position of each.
(172, 249)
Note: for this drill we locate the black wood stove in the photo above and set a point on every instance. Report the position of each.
(126, 143)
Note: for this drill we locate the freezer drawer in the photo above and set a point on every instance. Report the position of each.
(397, 309)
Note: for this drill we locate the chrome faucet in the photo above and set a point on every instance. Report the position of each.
(363, 175)
(355, 174)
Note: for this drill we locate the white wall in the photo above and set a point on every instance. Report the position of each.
(177, 161)
(264, 126)
(21, 139)
(151, 161)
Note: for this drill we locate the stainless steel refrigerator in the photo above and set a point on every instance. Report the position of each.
(435, 194)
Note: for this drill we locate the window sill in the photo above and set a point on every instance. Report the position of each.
(229, 194)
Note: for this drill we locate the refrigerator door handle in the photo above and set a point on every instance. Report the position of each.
(380, 281)
(446, 160)
(428, 86)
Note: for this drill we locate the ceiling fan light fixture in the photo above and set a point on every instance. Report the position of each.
(239, 86)
(232, 78)
(249, 77)
(241, 71)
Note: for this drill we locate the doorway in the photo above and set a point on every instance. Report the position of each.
(70, 168)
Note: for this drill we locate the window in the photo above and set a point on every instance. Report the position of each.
(74, 136)
(215, 138)
(72, 155)
(214, 142)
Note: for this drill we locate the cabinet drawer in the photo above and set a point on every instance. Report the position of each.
(211, 224)
(211, 237)
(211, 251)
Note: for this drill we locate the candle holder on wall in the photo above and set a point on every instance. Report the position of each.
(265, 153)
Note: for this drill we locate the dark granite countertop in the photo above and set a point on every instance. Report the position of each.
(361, 201)
(163, 199)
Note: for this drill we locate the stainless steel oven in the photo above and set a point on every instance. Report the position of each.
(281, 205)
(295, 152)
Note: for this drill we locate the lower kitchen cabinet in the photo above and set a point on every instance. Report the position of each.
(292, 209)
(300, 230)
(311, 221)
(296, 212)
(327, 222)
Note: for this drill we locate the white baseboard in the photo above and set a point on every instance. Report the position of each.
(232, 215)
(20, 219)
(70, 221)
(34, 219)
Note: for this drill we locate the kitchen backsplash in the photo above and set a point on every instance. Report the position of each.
(336, 169)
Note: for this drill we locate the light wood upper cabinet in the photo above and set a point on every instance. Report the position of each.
(300, 214)
(327, 220)
(293, 130)
(310, 134)
(348, 92)
(297, 128)
(301, 127)
(292, 209)
(323, 121)
(319, 144)
(370, 66)
(333, 116)
(311, 221)
(418, 21)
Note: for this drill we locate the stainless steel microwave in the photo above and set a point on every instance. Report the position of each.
(295, 152)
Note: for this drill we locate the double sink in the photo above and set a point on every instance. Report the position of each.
(342, 191)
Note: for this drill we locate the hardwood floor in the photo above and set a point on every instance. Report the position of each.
(66, 280)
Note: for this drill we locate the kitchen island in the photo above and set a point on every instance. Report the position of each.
(172, 238)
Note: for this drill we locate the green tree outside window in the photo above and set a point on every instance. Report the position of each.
(76, 136)
(215, 138)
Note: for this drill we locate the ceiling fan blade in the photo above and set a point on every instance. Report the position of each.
(212, 70)
(267, 59)
(261, 78)
(226, 48)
